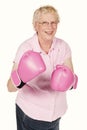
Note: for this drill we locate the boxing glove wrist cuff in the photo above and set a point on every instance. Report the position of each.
(18, 83)
(71, 88)
(21, 84)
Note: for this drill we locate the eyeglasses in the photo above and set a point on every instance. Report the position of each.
(45, 24)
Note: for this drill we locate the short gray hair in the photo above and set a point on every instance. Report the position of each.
(44, 10)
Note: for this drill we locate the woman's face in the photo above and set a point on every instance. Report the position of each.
(46, 27)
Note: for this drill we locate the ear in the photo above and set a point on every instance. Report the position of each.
(36, 26)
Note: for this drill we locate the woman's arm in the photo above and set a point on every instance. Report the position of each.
(10, 85)
(68, 62)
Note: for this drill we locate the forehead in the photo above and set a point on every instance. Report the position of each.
(48, 17)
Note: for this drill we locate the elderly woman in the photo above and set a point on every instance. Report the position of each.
(38, 106)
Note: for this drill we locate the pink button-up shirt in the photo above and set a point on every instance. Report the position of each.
(36, 98)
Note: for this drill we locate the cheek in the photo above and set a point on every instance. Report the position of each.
(38, 29)
(55, 30)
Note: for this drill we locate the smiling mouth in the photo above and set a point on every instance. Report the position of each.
(49, 32)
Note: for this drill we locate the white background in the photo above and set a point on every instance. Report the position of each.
(16, 26)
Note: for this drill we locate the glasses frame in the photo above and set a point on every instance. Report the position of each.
(46, 24)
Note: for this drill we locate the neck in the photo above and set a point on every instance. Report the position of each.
(45, 46)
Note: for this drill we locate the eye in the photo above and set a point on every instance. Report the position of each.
(44, 23)
(54, 23)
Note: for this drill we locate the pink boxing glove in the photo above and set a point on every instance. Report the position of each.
(31, 65)
(62, 78)
(74, 85)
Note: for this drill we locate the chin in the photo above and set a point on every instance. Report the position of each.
(49, 38)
